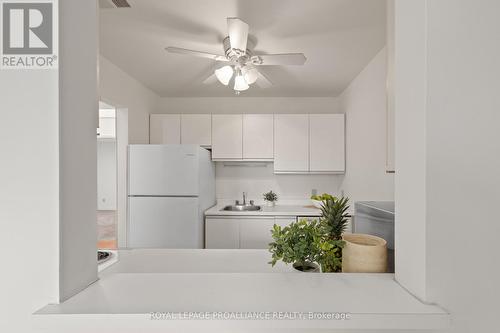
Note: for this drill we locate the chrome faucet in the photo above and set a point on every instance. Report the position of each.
(244, 203)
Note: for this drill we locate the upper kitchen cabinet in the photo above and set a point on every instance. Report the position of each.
(165, 129)
(326, 143)
(227, 136)
(258, 137)
(291, 143)
(196, 129)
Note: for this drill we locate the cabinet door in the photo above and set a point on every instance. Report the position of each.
(221, 233)
(291, 143)
(258, 136)
(255, 233)
(165, 129)
(196, 129)
(284, 221)
(327, 142)
(227, 136)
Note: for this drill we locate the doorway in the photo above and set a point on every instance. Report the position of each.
(107, 233)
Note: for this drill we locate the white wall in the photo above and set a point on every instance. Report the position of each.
(121, 173)
(257, 179)
(463, 161)
(119, 89)
(31, 186)
(364, 103)
(29, 194)
(447, 184)
(249, 105)
(78, 122)
(410, 144)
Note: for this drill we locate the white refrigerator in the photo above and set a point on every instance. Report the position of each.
(169, 188)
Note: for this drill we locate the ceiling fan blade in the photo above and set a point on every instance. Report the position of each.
(263, 81)
(207, 55)
(210, 79)
(238, 33)
(279, 59)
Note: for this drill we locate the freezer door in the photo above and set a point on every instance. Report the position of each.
(159, 170)
(164, 222)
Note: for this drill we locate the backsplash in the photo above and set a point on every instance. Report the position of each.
(256, 178)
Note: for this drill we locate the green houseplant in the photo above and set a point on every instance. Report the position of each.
(333, 222)
(298, 244)
(270, 198)
(309, 243)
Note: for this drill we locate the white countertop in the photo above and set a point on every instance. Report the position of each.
(199, 281)
(278, 210)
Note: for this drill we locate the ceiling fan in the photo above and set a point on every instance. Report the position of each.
(239, 60)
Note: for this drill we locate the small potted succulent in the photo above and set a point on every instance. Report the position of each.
(298, 244)
(270, 198)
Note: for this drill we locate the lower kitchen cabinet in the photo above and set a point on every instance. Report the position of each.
(222, 233)
(256, 233)
(242, 232)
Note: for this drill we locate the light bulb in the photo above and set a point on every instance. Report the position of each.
(224, 74)
(240, 84)
(251, 74)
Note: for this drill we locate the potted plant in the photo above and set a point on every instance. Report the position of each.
(317, 200)
(298, 243)
(333, 222)
(270, 198)
(307, 244)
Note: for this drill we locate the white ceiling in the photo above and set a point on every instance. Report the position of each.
(338, 37)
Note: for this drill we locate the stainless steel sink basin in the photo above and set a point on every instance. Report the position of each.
(242, 208)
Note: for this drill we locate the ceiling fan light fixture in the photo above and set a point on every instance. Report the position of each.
(240, 84)
(242, 63)
(250, 74)
(224, 74)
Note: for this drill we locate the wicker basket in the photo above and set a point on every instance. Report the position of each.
(364, 254)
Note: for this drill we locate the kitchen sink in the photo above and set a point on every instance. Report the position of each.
(242, 208)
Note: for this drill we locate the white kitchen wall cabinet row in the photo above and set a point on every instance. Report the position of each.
(165, 129)
(227, 137)
(297, 143)
(309, 143)
(180, 128)
(258, 137)
(196, 129)
(291, 143)
(247, 137)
